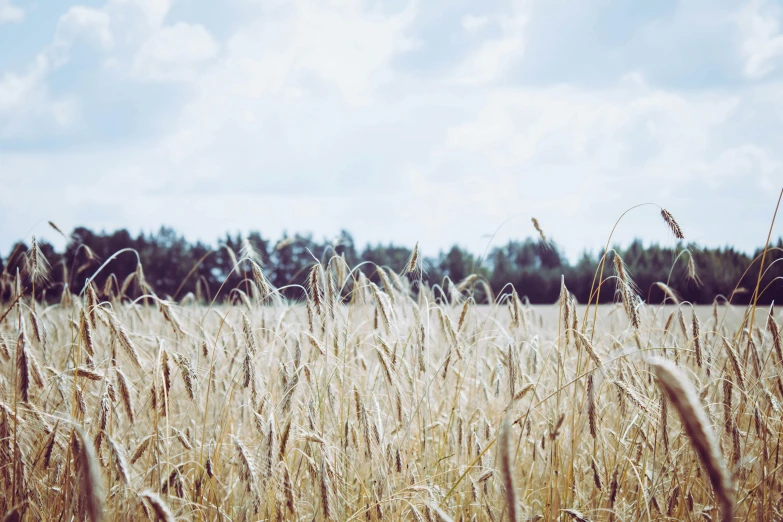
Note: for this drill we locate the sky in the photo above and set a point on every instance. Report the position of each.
(437, 121)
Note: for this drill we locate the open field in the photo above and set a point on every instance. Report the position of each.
(384, 405)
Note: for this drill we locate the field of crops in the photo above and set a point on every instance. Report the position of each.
(387, 401)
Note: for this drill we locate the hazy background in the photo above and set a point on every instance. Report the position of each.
(431, 121)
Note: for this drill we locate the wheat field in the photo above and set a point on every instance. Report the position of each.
(386, 400)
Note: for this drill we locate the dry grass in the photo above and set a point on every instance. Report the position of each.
(374, 402)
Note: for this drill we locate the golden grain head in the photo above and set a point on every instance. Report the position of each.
(381, 398)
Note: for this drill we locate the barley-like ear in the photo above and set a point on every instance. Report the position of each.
(669, 291)
(49, 446)
(388, 286)
(86, 330)
(512, 370)
(260, 279)
(727, 392)
(463, 315)
(627, 290)
(166, 369)
(90, 479)
(683, 397)
(39, 329)
(537, 226)
(284, 435)
(162, 511)
(36, 267)
(125, 395)
(614, 487)
(331, 296)
(506, 469)
(120, 464)
(692, 274)
(591, 414)
(314, 282)
(126, 343)
(315, 343)
(739, 370)
(413, 265)
(521, 393)
(596, 474)
(188, 373)
(668, 218)
(22, 367)
(141, 449)
(775, 332)
(171, 317)
(87, 373)
(91, 303)
(57, 229)
(442, 515)
(324, 483)
(35, 370)
(288, 489)
(584, 341)
(514, 309)
(697, 339)
(246, 466)
(182, 438)
(564, 302)
(383, 305)
(681, 321)
(250, 338)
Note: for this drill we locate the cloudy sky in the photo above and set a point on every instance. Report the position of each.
(433, 120)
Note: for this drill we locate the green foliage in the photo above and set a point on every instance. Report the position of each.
(173, 266)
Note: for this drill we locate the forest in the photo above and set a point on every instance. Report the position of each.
(174, 267)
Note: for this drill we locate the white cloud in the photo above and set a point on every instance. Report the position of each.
(14, 88)
(762, 44)
(570, 153)
(300, 57)
(87, 23)
(603, 129)
(745, 162)
(9, 12)
(148, 50)
(154, 11)
(321, 115)
(27, 107)
(494, 56)
(343, 44)
(173, 52)
(472, 23)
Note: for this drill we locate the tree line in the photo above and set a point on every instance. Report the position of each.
(174, 267)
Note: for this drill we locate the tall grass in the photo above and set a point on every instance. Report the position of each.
(393, 401)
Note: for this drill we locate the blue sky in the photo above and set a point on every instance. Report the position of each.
(433, 121)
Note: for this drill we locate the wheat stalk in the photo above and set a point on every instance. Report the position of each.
(683, 397)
